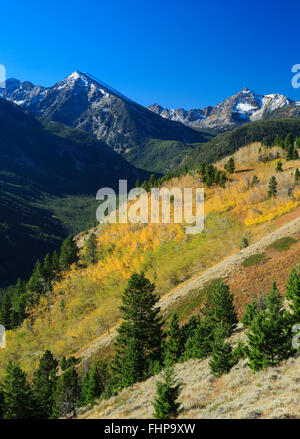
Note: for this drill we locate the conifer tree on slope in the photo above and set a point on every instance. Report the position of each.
(44, 384)
(68, 253)
(166, 405)
(220, 308)
(91, 251)
(269, 335)
(142, 323)
(222, 359)
(199, 344)
(84, 394)
(18, 399)
(67, 393)
(173, 346)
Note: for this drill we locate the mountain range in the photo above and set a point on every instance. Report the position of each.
(245, 106)
(82, 101)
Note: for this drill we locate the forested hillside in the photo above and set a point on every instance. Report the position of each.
(49, 176)
(83, 296)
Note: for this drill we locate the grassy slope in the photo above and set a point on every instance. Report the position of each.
(92, 294)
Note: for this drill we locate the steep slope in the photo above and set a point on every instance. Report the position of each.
(228, 143)
(179, 265)
(42, 167)
(245, 106)
(82, 101)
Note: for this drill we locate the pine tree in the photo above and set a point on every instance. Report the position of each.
(132, 371)
(68, 253)
(94, 389)
(67, 393)
(18, 398)
(142, 323)
(230, 166)
(84, 394)
(250, 313)
(189, 327)
(173, 345)
(279, 166)
(222, 359)
(5, 311)
(288, 142)
(44, 384)
(222, 179)
(297, 176)
(220, 307)
(278, 141)
(269, 335)
(295, 155)
(47, 268)
(199, 344)
(55, 262)
(297, 142)
(91, 251)
(36, 286)
(166, 405)
(272, 192)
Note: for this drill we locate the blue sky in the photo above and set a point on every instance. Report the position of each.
(188, 53)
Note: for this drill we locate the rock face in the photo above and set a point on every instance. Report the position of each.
(243, 107)
(82, 101)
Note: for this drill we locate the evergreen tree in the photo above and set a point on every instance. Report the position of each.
(18, 398)
(297, 176)
(250, 313)
(44, 384)
(245, 242)
(47, 268)
(189, 327)
(84, 394)
(91, 251)
(230, 166)
(279, 166)
(289, 154)
(199, 344)
(67, 393)
(220, 308)
(272, 192)
(132, 371)
(94, 389)
(297, 142)
(142, 323)
(5, 311)
(278, 141)
(173, 345)
(166, 405)
(222, 179)
(222, 359)
(68, 253)
(55, 262)
(36, 286)
(269, 335)
(288, 142)
(295, 155)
